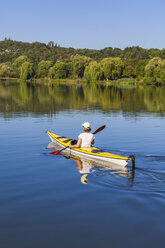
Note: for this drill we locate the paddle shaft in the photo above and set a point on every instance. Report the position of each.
(58, 151)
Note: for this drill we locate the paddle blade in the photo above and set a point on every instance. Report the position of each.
(55, 152)
(99, 129)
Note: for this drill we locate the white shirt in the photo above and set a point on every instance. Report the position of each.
(86, 139)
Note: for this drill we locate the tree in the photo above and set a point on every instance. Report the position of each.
(155, 71)
(112, 68)
(140, 68)
(93, 72)
(135, 52)
(43, 68)
(26, 70)
(162, 53)
(18, 63)
(129, 70)
(5, 69)
(51, 44)
(59, 70)
(134, 68)
(79, 64)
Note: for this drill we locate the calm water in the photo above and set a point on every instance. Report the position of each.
(44, 202)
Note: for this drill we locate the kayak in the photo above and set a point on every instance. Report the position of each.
(91, 153)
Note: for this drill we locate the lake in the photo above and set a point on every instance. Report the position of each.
(45, 201)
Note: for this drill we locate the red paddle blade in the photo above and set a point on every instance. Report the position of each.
(99, 129)
(55, 152)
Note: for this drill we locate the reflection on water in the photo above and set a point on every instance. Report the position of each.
(86, 167)
(40, 98)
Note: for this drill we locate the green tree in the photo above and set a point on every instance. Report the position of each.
(162, 53)
(134, 68)
(43, 68)
(112, 68)
(18, 63)
(79, 64)
(93, 72)
(135, 52)
(140, 68)
(26, 70)
(5, 69)
(155, 71)
(59, 70)
(129, 70)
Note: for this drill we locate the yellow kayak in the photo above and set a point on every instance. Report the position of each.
(91, 153)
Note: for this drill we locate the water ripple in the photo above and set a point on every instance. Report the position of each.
(138, 179)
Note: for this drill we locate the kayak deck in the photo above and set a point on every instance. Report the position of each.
(88, 152)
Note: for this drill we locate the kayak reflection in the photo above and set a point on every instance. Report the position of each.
(85, 167)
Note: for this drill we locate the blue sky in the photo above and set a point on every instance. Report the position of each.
(85, 23)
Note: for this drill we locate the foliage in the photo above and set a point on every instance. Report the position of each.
(79, 63)
(112, 68)
(155, 71)
(18, 63)
(36, 52)
(43, 68)
(59, 70)
(93, 72)
(135, 52)
(129, 70)
(162, 53)
(26, 70)
(131, 62)
(5, 69)
(140, 68)
(134, 68)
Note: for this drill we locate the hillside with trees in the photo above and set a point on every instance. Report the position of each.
(38, 60)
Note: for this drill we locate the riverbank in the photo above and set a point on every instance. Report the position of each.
(48, 81)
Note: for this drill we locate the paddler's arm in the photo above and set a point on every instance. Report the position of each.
(77, 145)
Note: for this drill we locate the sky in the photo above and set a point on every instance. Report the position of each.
(93, 24)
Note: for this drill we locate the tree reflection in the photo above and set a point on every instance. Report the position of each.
(40, 98)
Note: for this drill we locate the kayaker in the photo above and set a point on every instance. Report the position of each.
(85, 139)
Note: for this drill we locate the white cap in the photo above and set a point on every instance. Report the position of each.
(86, 125)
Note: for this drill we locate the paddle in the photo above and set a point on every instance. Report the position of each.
(99, 129)
(58, 151)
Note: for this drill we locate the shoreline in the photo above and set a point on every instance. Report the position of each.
(48, 81)
(68, 81)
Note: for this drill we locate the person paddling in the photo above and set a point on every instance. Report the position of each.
(85, 139)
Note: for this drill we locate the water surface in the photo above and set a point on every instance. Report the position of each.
(45, 202)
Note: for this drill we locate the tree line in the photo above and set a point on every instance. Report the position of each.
(38, 60)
